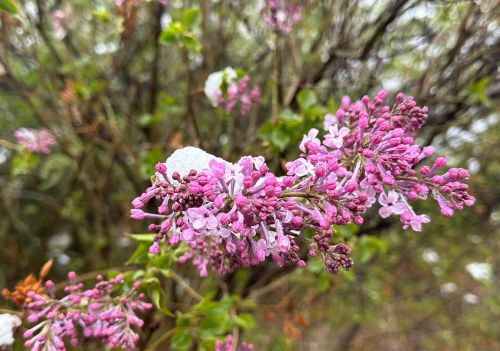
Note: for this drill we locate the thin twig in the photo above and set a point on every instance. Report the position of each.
(161, 340)
(189, 290)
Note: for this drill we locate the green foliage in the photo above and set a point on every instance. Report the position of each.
(8, 6)
(208, 321)
(181, 32)
(23, 162)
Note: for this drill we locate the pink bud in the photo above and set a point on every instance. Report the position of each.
(440, 162)
(136, 214)
(446, 211)
(428, 150)
(72, 276)
(161, 167)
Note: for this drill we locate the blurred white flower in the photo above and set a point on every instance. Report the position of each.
(214, 80)
(471, 298)
(480, 271)
(448, 288)
(430, 256)
(7, 324)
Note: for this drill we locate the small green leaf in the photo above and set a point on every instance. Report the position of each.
(191, 43)
(172, 33)
(140, 255)
(143, 238)
(181, 340)
(169, 36)
(280, 139)
(158, 298)
(245, 320)
(190, 17)
(101, 15)
(306, 99)
(23, 162)
(8, 6)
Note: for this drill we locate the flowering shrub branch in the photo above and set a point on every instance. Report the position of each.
(236, 215)
(96, 311)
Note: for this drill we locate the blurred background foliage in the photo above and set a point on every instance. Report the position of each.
(121, 89)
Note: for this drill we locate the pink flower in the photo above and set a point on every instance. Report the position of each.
(300, 167)
(308, 139)
(335, 137)
(281, 15)
(415, 221)
(391, 204)
(36, 141)
(202, 218)
(60, 20)
(329, 121)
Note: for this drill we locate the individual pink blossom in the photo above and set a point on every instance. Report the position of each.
(36, 141)
(410, 219)
(391, 204)
(201, 218)
(310, 139)
(335, 137)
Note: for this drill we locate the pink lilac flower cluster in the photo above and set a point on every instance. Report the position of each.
(61, 20)
(238, 93)
(236, 215)
(226, 345)
(95, 311)
(36, 141)
(281, 15)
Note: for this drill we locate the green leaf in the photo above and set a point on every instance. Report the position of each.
(169, 36)
(140, 255)
(102, 15)
(172, 33)
(143, 238)
(280, 139)
(190, 17)
(368, 247)
(158, 298)
(245, 320)
(23, 162)
(191, 43)
(181, 340)
(8, 6)
(306, 99)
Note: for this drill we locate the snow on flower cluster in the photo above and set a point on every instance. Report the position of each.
(281, 15)
(229, 89)
(37, 141)
(236, 215)
(95, 311)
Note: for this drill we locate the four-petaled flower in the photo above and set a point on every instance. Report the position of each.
(391, 204)
(415, 221)
(202, 218)
(309, 139)
(335, 137)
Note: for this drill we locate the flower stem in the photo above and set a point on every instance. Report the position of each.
(300, 194)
